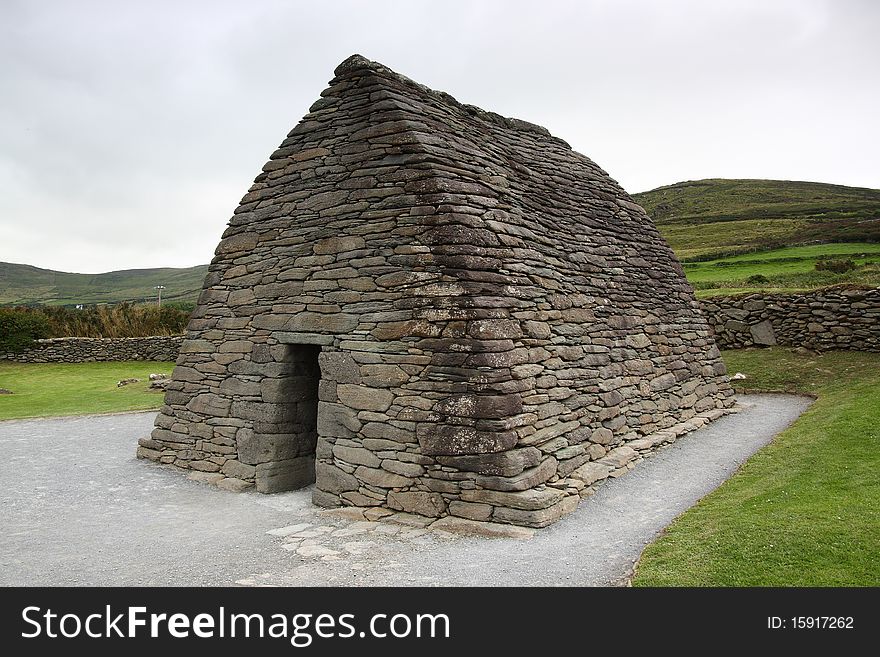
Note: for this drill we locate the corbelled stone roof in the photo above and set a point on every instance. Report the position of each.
(494, 315)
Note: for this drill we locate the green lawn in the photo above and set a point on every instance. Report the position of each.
(805, 510)
(50, 389)
(810, 252)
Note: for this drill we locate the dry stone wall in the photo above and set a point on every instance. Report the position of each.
(834, 318)
(84, 350)
(428, 307)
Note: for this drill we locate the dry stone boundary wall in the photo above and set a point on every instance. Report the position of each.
(85, 350)
(835, 318)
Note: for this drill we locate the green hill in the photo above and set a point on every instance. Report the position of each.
(743, 235)
(706, 219)
(26, 285)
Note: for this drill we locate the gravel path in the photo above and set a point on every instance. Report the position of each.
(79, 509)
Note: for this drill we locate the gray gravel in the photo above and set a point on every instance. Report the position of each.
(79, 509)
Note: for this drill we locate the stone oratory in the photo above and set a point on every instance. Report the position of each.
(427, 307)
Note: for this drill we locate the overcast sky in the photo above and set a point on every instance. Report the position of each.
(130, 130)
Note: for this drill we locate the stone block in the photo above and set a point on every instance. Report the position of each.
(333, 245)
(531, 499)
(311, 322)
(374, 515)
(504, 464)
(555, 445)
(337, 421)
(331, 479)
(209, 404)
(149, 443)
(255, 447)
(234, 386)
(619, 456)
(408, 520)
(539, 517)
(480, 406)
(566, 467)
(448, 440)
(383, 376)
(638, 341)
(259, 411)
(381, 478)
(356, 455)
(237, 470)
(602, 436)
(339, 367)
(736, 326)
(189, 374)
(146, 453)
(470, 510)
(205, 477)
(388, 433)
(590, 473)
(197, 347)
(240, 243)
(203, 465)
(289, 474)
(364, 398)
(471, 527)
(538, 330)
(325, 499)
(403, 468)
(357, 498)
(763, 334)
(663, 382)
(422, 503)
(549, 433)
(234, 485)
(494, 329)
(568, 452)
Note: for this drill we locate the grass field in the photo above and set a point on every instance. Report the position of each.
(51, 389)
(787, 269)
(805, 510)
(705, 219)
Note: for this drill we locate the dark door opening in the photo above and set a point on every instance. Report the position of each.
(296, 422)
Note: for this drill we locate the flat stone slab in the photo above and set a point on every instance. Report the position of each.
(467, 527)
(290, 529)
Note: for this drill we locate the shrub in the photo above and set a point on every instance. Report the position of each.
(123, 320)
(19, 328)
(185, 306)
(757, 279)
(840, 266)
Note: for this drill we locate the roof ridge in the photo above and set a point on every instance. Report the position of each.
(357, 62)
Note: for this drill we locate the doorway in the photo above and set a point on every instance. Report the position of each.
(295, 426)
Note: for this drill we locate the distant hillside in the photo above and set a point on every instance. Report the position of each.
(23, 284)
(703, 219)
